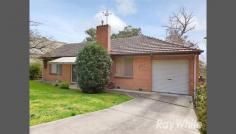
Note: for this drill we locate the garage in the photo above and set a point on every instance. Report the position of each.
(170, 76)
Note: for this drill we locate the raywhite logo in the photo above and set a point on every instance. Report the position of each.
(173, 124)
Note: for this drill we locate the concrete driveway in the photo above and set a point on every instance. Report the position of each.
(145, 114)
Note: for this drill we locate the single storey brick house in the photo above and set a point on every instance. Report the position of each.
(139, 63)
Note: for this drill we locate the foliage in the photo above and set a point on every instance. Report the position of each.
(202, 68)
(93, 67)
(49, 103)
(35, 60)
(35, 71)
(63, 84)
(91, 32)
(128, 31)
(201, 107)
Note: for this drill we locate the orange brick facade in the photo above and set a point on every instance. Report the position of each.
(141, 75)
(64, 76)
(103, 33)
(142, 72)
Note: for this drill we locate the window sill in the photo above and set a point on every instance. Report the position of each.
(127, 77)
(54, 74)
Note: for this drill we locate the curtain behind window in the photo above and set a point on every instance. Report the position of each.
(56, 68)
(124, 66)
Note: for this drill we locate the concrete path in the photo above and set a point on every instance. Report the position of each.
(145, 114)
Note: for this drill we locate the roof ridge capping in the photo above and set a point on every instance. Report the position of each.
(172, 43)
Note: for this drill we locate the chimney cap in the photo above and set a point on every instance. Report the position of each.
(104, 25)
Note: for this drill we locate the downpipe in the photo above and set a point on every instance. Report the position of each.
(195, 80)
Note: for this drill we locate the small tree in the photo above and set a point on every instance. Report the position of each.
(93, 68)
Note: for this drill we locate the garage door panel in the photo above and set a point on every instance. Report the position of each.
(170, 76)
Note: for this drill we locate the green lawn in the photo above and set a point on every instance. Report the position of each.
(48, 103)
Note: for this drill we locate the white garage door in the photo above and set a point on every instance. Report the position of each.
(170, 76)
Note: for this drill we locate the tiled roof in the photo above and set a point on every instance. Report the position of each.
(125, 46)
(147, 45)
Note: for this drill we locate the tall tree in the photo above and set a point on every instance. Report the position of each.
(128, 31)
(91, 32)
(180, 23)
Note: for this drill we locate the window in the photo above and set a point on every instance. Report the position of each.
(124, 66)
(74, 73)
(55, 68)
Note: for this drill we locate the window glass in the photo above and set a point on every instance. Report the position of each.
(56, 68)
(74, 73)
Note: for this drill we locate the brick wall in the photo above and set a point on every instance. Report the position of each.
(142, 72)
(141, 75)
(103, 36)
(65, 74)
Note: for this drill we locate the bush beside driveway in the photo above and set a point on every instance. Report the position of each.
(49, 103)
(201, 107)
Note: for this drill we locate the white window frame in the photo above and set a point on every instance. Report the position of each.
(58, 69)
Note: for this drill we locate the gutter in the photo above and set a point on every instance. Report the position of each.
(195, 77)
(156, 53)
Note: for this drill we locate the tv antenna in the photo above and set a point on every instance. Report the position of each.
(106, 14)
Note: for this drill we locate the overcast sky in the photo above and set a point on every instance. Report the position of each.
(66, 20)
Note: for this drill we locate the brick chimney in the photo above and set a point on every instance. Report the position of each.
(103, 36)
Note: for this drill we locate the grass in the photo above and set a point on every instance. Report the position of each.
(49, 103)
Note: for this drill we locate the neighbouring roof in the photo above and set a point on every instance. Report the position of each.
(68, 50)
(127, 46)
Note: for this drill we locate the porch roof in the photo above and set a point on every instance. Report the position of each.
(63, 60)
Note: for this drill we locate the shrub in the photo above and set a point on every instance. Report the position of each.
(201, 107)
(64, 84)
(93, 66)
(73, 114)
(35, 71)
(55, 84)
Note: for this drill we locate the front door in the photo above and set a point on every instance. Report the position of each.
(74, 74)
